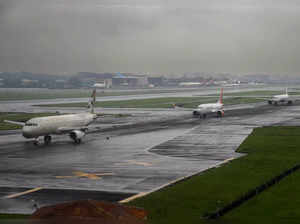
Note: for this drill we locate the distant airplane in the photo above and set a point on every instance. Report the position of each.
(73, 124)
(190, 84)
(283, 98)
(276, 99)
(100, 85)
(203, 109)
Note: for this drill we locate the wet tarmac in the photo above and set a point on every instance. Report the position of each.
(125, 156)
(28, 203)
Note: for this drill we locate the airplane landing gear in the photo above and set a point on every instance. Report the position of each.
(36, 141)
(203, 116)
(219, 114)
(47, 139)
(77, 140)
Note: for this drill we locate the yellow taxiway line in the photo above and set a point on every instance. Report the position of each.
(92, 176)
(23, 193)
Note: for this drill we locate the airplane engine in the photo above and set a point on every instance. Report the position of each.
(77, 135)
(196, 113)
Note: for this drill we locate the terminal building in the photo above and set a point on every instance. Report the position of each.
(113, 80)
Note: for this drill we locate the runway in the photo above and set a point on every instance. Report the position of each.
(128, 156)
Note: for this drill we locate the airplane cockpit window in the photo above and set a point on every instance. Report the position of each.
(31, 124)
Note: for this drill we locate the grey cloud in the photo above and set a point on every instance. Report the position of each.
(159, 36)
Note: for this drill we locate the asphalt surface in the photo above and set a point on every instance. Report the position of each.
(124, 156)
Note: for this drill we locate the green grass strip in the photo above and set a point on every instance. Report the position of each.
(279, 204)
(270, 150)
(32, 94)
(265, 93)
(168, 102)
(13, 216)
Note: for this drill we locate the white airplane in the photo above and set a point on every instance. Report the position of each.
(203, 109)
(73, 124)
(190, 84)
(100, 85)
(283, 98)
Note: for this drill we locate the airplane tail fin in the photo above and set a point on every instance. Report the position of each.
(92, 101)
(15, 122)
(221, 97)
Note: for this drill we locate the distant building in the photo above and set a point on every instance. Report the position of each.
(156, 81)
(29, 82)
(112, 80)
(129, 80)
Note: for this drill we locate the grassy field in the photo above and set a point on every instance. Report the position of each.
(270, 150)
(266, 93)
(13, 216)
(32, 94)
(14, 219)
(256, 93)
(168, 102)
(279, 204)
(23, 117)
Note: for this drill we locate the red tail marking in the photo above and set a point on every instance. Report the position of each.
(221, 97)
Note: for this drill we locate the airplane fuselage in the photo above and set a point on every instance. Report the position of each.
(209, 108)
(284, 98)
(43, 126)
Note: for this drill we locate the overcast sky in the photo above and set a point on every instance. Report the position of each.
(161, 36)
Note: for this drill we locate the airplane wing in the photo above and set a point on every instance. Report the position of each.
(70, 129)
(15, 122)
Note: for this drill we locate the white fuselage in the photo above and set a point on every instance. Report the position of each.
(209, 108)
(42, 126)
(99, 85)
(281, 98)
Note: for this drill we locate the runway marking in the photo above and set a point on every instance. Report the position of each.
(134, 162)
(225, 161)
(92, 176)
(23, 193)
